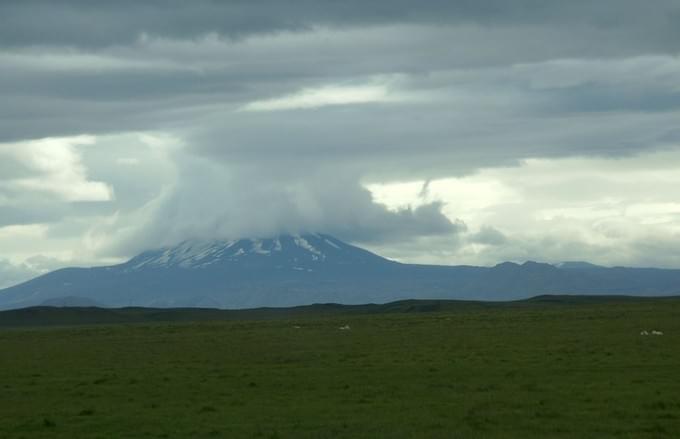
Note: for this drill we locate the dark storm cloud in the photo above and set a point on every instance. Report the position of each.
(489, 236)
(598, 98)
(156, 84)
(414, 141)
(100, 23)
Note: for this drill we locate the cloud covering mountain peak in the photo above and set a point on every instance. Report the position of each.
(444, 131)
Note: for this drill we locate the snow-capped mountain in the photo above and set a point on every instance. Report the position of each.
(278, 271)
(293, 270)
(307, 252)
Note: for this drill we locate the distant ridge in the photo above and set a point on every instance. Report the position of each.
(72, 316)
(578, 265)
(292, 270)
(71, 301)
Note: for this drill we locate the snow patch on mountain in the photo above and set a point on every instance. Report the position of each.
(284, 251)
(304, 244)
(257, 247)
(187, 254)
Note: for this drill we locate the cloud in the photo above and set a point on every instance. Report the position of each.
(408, 127)
(211, 199)
(54, 191)
(11, 274)
(78, 23)
(488, 235)
(320, 97)
(50, 166)
(127, 161)
(611, 212)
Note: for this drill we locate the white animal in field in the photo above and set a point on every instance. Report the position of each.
(644, 333)
(657, 333)
(344, 328)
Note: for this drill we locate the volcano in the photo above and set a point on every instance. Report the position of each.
(290, 270)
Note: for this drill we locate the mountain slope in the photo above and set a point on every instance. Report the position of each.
(295, 270)
(306, 252)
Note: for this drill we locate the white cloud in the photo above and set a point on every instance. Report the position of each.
(12, 274)
(54, 166)
(31, 231)
(47, 187)
(128, 161)
(69, 60)
(323, 96)
(609, 211)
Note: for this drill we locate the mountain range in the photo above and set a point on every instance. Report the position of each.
(291, 270)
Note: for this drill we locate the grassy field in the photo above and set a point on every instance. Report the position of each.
(545, 370)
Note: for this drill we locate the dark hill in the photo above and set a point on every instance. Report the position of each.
(72, 316)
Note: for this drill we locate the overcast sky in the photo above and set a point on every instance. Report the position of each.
(450, 132)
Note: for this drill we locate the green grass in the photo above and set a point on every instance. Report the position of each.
(536, 370)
